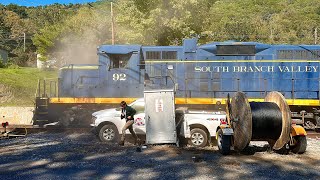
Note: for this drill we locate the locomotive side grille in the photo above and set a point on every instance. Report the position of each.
(153, 55)
(299, 54)
(169, 55)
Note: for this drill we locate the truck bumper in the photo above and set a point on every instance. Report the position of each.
(93, 129)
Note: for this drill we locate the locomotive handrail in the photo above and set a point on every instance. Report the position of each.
(41, 91)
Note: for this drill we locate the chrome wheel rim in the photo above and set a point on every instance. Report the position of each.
(108, 134)
(197, 139)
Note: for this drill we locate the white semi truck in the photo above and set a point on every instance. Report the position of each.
(198, 127)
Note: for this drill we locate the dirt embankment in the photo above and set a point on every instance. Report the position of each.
(16, 115)
(5, 93)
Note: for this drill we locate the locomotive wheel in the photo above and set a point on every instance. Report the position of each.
(109, 133)
(198, 138)
(300, 146)
(224, 142)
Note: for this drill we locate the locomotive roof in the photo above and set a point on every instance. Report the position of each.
(192, 44)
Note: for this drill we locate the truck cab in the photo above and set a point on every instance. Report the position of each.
(197, 126)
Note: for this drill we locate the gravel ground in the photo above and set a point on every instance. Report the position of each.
(82, 156)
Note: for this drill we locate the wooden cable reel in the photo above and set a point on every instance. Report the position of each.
(269, 120)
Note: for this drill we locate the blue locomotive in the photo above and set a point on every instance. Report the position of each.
(202, 76)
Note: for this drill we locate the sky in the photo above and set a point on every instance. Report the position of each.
(42, 2)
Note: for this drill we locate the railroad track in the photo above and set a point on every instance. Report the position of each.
(36, 129)
(23, 130)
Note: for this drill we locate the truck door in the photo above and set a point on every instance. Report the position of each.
(139, 125)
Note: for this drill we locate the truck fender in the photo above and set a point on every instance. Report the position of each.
(297, 130)
(196, 122)
(118, 123)
(226, 130)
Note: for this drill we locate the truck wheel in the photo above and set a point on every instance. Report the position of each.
(300, 146)
(198, 138)
(109, 133)
(224, 142)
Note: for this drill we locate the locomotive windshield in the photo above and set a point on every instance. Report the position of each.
(119, 60)
(234, 50)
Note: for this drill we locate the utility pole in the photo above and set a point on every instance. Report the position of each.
(112, 24)
(24, 42)
(315, 35)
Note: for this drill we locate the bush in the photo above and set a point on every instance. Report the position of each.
(2, 64)
(12, 66)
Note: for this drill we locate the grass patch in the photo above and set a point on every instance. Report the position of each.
(23, 83)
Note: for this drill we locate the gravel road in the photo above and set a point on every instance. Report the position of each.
(82, 156)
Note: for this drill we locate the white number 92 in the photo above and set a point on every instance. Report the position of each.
(119, 77)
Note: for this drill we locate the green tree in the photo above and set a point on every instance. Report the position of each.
(48, 26)
(164, 22)
(46, 38)
(160, 22)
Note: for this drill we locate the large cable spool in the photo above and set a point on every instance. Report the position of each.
(279, 99)
(241, 121)
(269, 120)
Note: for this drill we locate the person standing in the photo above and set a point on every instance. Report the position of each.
(128, 113)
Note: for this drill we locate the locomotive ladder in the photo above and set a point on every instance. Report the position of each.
(46, 88)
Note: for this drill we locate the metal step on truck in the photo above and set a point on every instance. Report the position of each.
(196, 126)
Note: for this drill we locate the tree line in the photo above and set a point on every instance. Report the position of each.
(61, 31)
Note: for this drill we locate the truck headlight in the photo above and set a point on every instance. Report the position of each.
(93, 119)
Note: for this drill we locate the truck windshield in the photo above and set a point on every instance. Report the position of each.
(138, 106)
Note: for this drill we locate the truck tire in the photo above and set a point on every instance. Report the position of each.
(300, 146)
(198, 138)
(224, 142)
(109, 133)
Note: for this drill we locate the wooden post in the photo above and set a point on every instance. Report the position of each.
(112, 24)
(315, 35)
(24, 42)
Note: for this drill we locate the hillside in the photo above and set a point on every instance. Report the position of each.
(18, 86)
(72, 32)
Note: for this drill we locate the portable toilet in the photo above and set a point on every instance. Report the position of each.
(160, 116)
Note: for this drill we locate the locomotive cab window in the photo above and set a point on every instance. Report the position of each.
(236, 50)
(119, 60)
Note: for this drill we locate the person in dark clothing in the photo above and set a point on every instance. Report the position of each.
(128, 113)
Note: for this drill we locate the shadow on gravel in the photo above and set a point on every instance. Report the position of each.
(262, 168)
(81, 156)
